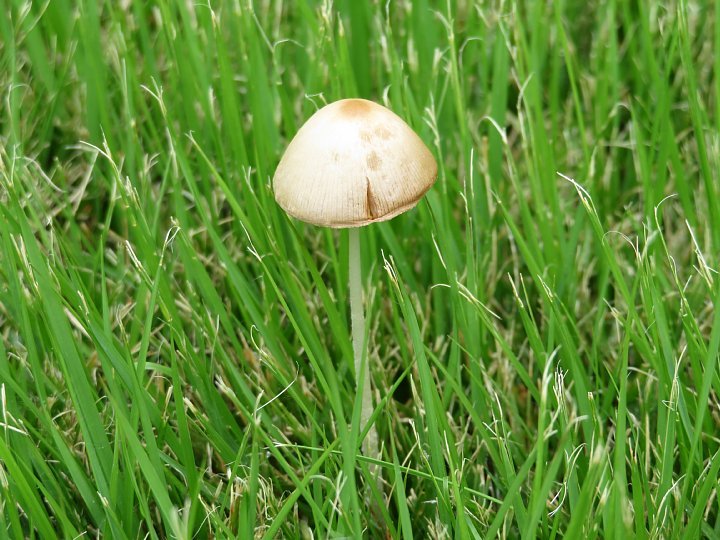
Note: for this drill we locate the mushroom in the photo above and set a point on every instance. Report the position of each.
(353, 163)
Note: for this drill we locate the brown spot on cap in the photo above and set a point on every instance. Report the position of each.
(373, 161)
(383, 132)
(354, 107)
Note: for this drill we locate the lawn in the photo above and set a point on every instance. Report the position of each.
(543, 329)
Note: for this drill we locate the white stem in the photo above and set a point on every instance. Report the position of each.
(357, 318)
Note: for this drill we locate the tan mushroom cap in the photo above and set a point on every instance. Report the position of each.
(352, 163)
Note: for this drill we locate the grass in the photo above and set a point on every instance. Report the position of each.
(175, 358)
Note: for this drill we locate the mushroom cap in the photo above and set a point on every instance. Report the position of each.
(352, 163)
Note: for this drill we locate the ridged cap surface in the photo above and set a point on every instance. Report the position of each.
(352, 163)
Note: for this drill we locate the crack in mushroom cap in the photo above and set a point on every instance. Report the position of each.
(352, 163)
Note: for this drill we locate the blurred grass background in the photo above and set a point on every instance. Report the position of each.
(175, 358)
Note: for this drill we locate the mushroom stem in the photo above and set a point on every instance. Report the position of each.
(357, 318)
